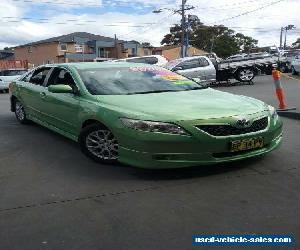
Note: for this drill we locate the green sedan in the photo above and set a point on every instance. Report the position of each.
(143, 115)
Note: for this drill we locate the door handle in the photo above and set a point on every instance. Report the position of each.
(42, 94)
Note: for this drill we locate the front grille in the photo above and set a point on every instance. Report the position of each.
(225, 130)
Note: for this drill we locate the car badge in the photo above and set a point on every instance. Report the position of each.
(243, 123)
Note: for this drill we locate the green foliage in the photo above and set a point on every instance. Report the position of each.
(219, 39)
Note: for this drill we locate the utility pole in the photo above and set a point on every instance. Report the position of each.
(289, 27)
(184, 24)
(281, 33)
(284, 46)
(183, 53)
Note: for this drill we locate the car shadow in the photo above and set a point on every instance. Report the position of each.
(115, 171)
(196, 171)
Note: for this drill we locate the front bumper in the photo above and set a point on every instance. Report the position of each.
(173, 151)
(4, 85)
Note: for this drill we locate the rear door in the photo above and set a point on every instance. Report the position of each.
(31, 89)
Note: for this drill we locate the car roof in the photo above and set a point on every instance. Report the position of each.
(188, 58)
(99, 65)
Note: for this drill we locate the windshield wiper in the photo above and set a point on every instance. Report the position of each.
(153, 91)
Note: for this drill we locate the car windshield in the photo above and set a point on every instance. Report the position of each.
(134, 80)
(173, 63)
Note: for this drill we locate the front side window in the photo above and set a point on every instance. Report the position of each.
(190, 64)
(203, 62)
(60, 76)
(134, 80)
(39, 76)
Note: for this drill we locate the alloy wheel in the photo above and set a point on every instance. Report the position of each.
(20, 113)
(246, 75)
(102, 144)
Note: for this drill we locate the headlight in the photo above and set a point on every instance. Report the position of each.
(273, 112)
(149, 126)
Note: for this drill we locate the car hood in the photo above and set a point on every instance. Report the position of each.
(183, 105)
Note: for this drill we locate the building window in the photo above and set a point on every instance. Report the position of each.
(30, 49)
(101, 52)
(133, 53)
(63, 47)
(79, 48)
(146, 52)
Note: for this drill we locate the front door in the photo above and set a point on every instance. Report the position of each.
(61, 108)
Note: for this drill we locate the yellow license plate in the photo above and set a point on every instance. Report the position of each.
(247, 144)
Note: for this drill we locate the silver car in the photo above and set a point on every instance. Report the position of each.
(198, 67)
(295, 65)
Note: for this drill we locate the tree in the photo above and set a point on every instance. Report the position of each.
(220, 39)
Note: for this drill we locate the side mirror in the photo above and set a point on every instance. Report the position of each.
(177, 68)
(60, 88)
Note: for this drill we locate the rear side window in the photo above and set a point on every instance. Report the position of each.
(39, 76)
(137, 60)
(151, 60)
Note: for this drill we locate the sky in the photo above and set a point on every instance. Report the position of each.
(23, 21)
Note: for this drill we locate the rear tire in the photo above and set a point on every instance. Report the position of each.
(20, 112)
(98, 143)
(294, 72)
(245, 75)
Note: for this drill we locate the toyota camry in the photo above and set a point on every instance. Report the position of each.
(143, 115)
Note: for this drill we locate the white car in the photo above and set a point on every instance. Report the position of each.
(295, 65)
(153, 59)
(9, 75)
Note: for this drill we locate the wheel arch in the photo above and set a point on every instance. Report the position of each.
(89, 122)
(12, 103)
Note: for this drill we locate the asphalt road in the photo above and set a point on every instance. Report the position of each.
(53, 197)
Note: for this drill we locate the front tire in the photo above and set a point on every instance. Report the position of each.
(99, 143)
(245, 75)
(20, 112)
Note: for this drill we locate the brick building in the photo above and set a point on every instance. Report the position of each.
(172, 52)
(74, 47)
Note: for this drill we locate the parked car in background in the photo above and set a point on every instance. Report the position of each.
(144, 115)
(236, 57)
(153, 59)
(198, 67)
(295, 65)
(201, 67)
(285, 60)
(9, 75)
(248, 56)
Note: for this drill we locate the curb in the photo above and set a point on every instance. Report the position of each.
(289, 114)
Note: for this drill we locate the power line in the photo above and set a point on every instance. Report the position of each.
(220, 7)
(250, 11)
(90, 4)
(148, 26)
